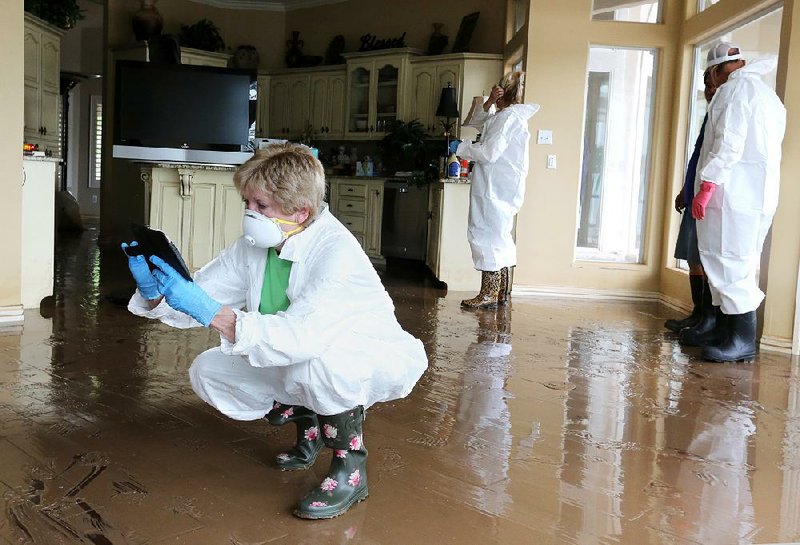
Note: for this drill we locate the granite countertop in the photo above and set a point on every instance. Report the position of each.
(458, 180)
(190, 166)
(44, 159)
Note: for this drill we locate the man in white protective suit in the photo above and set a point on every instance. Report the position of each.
(736, 194)
(308, 333)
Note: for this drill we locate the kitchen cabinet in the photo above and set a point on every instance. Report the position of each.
(376, 83)
(327, 105)
(448, 254)
(42, 67)
(472, 74)
(262, 113)
(198, 208)
(288, 112)
(38, 229)
(358, 204)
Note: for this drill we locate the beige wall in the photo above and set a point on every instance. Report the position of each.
(556, 67)
(355, 18)
(11, 109)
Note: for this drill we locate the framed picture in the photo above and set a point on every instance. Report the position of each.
(461, 44)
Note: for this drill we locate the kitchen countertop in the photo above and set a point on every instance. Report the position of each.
(41, 159)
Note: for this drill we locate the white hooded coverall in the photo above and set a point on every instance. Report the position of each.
(741, 153)
(338, 345)
(498, 185)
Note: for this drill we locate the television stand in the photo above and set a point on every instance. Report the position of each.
(180, 155)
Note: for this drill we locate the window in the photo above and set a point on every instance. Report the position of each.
(757, 37)
(520, 14)
(632, 11)
(616, 154)
(96, 142)
(703, 5)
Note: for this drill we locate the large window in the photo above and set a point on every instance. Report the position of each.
(703, 5)
(616, 153)
(632, 11)
(757, 37)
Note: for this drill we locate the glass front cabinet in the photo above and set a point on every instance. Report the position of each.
(374, 95)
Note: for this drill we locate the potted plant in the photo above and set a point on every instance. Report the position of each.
(64, 14)
(202, 35)
(406, 148)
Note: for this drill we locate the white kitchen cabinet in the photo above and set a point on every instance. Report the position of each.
(288, 106)
(358, 204)
(42, 66)
(327, 106)
(198, 208)
(262, 113)
(472, 74)
(376, 84)
(448, 253)
(38, 229)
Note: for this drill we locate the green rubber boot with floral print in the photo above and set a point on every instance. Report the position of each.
(346, 482)
(309, 443)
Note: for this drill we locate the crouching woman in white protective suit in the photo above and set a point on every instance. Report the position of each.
(498, 188)
(737, 183)
(303, 320)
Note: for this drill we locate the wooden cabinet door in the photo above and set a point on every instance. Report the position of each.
(434, 229)
(299, 99)
(51, 62)
(49, 107)
(421, 106)
(228, 216)
(279, 108)
(32, 116)
(319, 104)
(262, 115)
(359, 99)
(199, 224)
(372, 229)
(337, 92)
(32, 55)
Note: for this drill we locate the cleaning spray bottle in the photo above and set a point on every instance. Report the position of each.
(453, 166)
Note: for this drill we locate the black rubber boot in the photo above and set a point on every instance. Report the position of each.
(346, 482)
(698, 287)
(741, 342)
(711, 331)
(309, 443)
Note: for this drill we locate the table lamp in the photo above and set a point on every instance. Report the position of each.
(448, 109)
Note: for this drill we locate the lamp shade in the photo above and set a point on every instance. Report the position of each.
(448, 103)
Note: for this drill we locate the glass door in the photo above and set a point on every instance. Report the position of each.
(358, 121)
(386, 97)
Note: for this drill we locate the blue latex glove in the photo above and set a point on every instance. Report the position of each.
(183, 295)
(145, 281)
(453, 146)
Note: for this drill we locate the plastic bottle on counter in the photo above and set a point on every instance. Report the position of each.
(453, 166)
(464, 168)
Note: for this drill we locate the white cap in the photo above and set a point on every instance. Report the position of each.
(720, 52)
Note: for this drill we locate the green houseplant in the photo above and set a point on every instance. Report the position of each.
(64, 14)
(204, 35)
(406, 148)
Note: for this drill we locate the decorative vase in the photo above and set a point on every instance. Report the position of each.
(295, 53)
(246, 56)
(438, 41)
(147, 21)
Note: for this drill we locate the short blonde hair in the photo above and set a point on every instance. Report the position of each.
(289, 173)
(513, 85)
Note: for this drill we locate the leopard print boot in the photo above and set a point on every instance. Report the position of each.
(490, 290)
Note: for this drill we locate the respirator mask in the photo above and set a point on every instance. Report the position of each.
(264, 232)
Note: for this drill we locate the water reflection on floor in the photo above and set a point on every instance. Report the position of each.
(546, 422)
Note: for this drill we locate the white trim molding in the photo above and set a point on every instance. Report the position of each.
(776, 344)
(586, 293)
(268, 5)
(11, 316)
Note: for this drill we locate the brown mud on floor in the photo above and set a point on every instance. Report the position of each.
(551, 421)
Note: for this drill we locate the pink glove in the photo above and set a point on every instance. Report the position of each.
(701, 200)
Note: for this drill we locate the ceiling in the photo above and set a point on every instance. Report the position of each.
(267, 5)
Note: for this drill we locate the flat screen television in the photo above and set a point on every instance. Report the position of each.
(161, 107)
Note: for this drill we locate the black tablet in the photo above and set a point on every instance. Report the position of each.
(155, 242)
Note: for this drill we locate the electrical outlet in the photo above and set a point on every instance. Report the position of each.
(94, 199)
(544, 137)
(551, 161)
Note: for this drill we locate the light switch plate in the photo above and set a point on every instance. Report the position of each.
(551, 161)
(544, 137)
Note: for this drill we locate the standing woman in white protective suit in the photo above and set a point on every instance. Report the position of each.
(498, 187)
(303, 320)
(737, 183)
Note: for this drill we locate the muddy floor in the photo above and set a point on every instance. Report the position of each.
(551, 421)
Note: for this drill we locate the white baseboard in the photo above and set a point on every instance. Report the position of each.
(776, 344)
(585, 293)
(11, 316)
